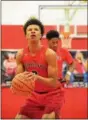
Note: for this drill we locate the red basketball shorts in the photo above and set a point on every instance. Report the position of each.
(38, 104)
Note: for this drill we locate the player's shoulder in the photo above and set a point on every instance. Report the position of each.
(65, 50)
(19, 53)
(50, 53)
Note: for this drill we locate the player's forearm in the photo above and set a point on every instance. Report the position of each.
(19, 69)
(49, 81)
(71, 67)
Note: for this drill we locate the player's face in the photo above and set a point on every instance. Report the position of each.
(53, 44)
(33, 33)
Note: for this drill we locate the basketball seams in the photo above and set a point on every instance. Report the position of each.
(25, 84)
(20, 84)
(15, 90)
(19, 89)
(18, 81)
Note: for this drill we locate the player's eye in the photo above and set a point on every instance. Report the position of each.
(30, 29)
(36, 29)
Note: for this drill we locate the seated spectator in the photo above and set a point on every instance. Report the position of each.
(9, 65)
(79, 67)
(79, 63)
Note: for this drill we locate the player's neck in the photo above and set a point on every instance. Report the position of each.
(35, 47)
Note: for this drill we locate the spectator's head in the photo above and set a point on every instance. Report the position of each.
(79, 57)
(11, 56)
(53, 37)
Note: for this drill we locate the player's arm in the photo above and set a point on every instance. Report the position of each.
(70, 61)
(71, 67)
(20, 67)
(52, 69)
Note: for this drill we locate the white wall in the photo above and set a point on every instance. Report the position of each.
(17, 12)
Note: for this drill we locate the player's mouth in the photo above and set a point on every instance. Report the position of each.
(33, 36)
(54, 48)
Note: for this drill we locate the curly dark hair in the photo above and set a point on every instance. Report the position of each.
(52, 34)
(35, 22)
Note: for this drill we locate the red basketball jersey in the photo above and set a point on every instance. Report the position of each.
(38, 65)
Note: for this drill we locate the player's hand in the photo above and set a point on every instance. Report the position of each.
(30, 75)
(24, 75)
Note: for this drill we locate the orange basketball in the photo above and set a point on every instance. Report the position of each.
(21, 86)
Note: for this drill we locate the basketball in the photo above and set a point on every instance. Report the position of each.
(21, 86)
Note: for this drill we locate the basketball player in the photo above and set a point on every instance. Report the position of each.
(63, 55)
(47, 98)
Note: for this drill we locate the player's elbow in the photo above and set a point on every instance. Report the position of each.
(54, 83)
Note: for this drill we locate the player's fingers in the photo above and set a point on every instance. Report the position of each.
(26, 72)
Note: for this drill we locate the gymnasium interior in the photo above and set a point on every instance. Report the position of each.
(68, 16)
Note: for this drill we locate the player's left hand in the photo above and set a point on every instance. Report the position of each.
(30, 75)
